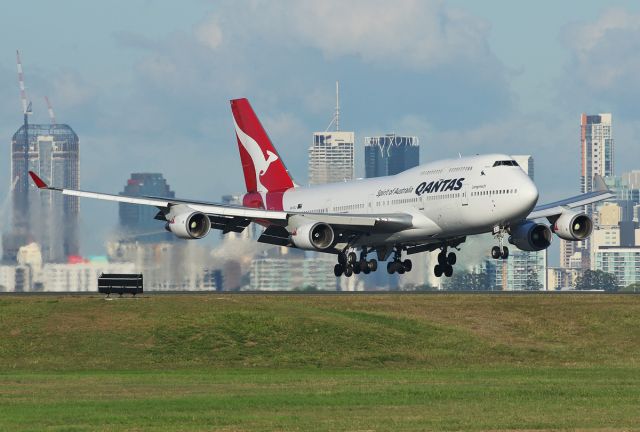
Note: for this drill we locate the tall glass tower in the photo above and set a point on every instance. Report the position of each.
(390, 154)
(52, 219)
(136, 221)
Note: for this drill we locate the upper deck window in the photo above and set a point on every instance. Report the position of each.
(506, 162)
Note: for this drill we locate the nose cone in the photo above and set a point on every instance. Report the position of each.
(529, 194)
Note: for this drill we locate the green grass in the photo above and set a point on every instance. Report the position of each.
(235, 362)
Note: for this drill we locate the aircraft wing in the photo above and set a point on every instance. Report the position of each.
(236, 218)
(554, 209)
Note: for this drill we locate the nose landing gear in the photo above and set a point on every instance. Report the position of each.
(501, 251)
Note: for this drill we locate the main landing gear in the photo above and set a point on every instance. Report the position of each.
(349, 264)
(397, 265)
(445, 263)
(500, 251)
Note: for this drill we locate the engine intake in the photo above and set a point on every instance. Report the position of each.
(530, 236)
(313, 236)
(189, 224)
(573, 226)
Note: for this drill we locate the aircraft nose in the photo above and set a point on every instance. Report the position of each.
(530, 194)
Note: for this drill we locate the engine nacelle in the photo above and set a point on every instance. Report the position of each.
(313, 236)
(188, 224)
(573, 226)
(530, 236)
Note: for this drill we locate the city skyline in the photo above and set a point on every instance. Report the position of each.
(164, 76)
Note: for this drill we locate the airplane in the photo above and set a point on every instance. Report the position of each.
(433, 206)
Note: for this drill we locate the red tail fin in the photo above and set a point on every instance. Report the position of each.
(263, 169)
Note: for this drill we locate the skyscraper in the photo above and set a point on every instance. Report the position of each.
(137, 222)
(331, 154)
(52, 221)
(390, 154)
(596, 142)
(597, 145)
(331, 157)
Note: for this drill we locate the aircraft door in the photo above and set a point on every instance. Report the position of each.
(464, 196)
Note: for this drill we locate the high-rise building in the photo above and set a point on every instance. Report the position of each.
(137, 222)
(596, 139)
(331, 157)
(390, 154)
(331, 154)
(597, 145)
(52, 220)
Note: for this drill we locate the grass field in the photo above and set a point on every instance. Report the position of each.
(387, 362)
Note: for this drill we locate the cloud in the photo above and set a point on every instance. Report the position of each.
(209, 33)
(601, 74)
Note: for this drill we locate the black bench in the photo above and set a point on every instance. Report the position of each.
(117, 283)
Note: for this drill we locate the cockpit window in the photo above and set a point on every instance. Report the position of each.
(506, 162)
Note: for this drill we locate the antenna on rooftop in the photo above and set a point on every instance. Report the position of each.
(52, 115)
(336, 115)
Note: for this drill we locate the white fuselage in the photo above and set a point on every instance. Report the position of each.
(445, 199)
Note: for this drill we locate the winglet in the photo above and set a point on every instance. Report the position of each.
(599, 184)
(38, 181)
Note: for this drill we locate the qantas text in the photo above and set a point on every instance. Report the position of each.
(439, 186)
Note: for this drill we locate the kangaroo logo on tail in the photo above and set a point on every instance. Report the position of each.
(260, 164)
(264, 173)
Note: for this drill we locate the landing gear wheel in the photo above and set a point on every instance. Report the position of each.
(356, 268)
(495, 252)
(399, 268)
(448, 271)
(451, 258)
(342, 258)
(352, 258)
(366, 270)
(363, 265)
(407, 265)
(391, 268)
(348, 271)
(338, 270)
(505, 252)
(373, 265)
(437, 270)
(442, 258)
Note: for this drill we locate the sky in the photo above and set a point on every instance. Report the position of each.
(146, 85)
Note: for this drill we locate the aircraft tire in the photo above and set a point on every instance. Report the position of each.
(495, 252)
(390, 267)
(448, 271)
(451, 258)
(437, 270)
(348, 271)
(338, 270)
(373, 265)
(352, 258)
(407, 264)
(505, 252)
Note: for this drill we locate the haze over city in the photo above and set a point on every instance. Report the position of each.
(146, 86)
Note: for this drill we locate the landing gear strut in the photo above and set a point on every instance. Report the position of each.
(397, 265)
(348, 264)
(445, 263)
(500, 251)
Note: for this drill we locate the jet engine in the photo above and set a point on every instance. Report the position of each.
(530, 236)
(313, 236)
(573, 226)
(188, 224)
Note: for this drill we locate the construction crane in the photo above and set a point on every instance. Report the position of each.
(52, 115)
